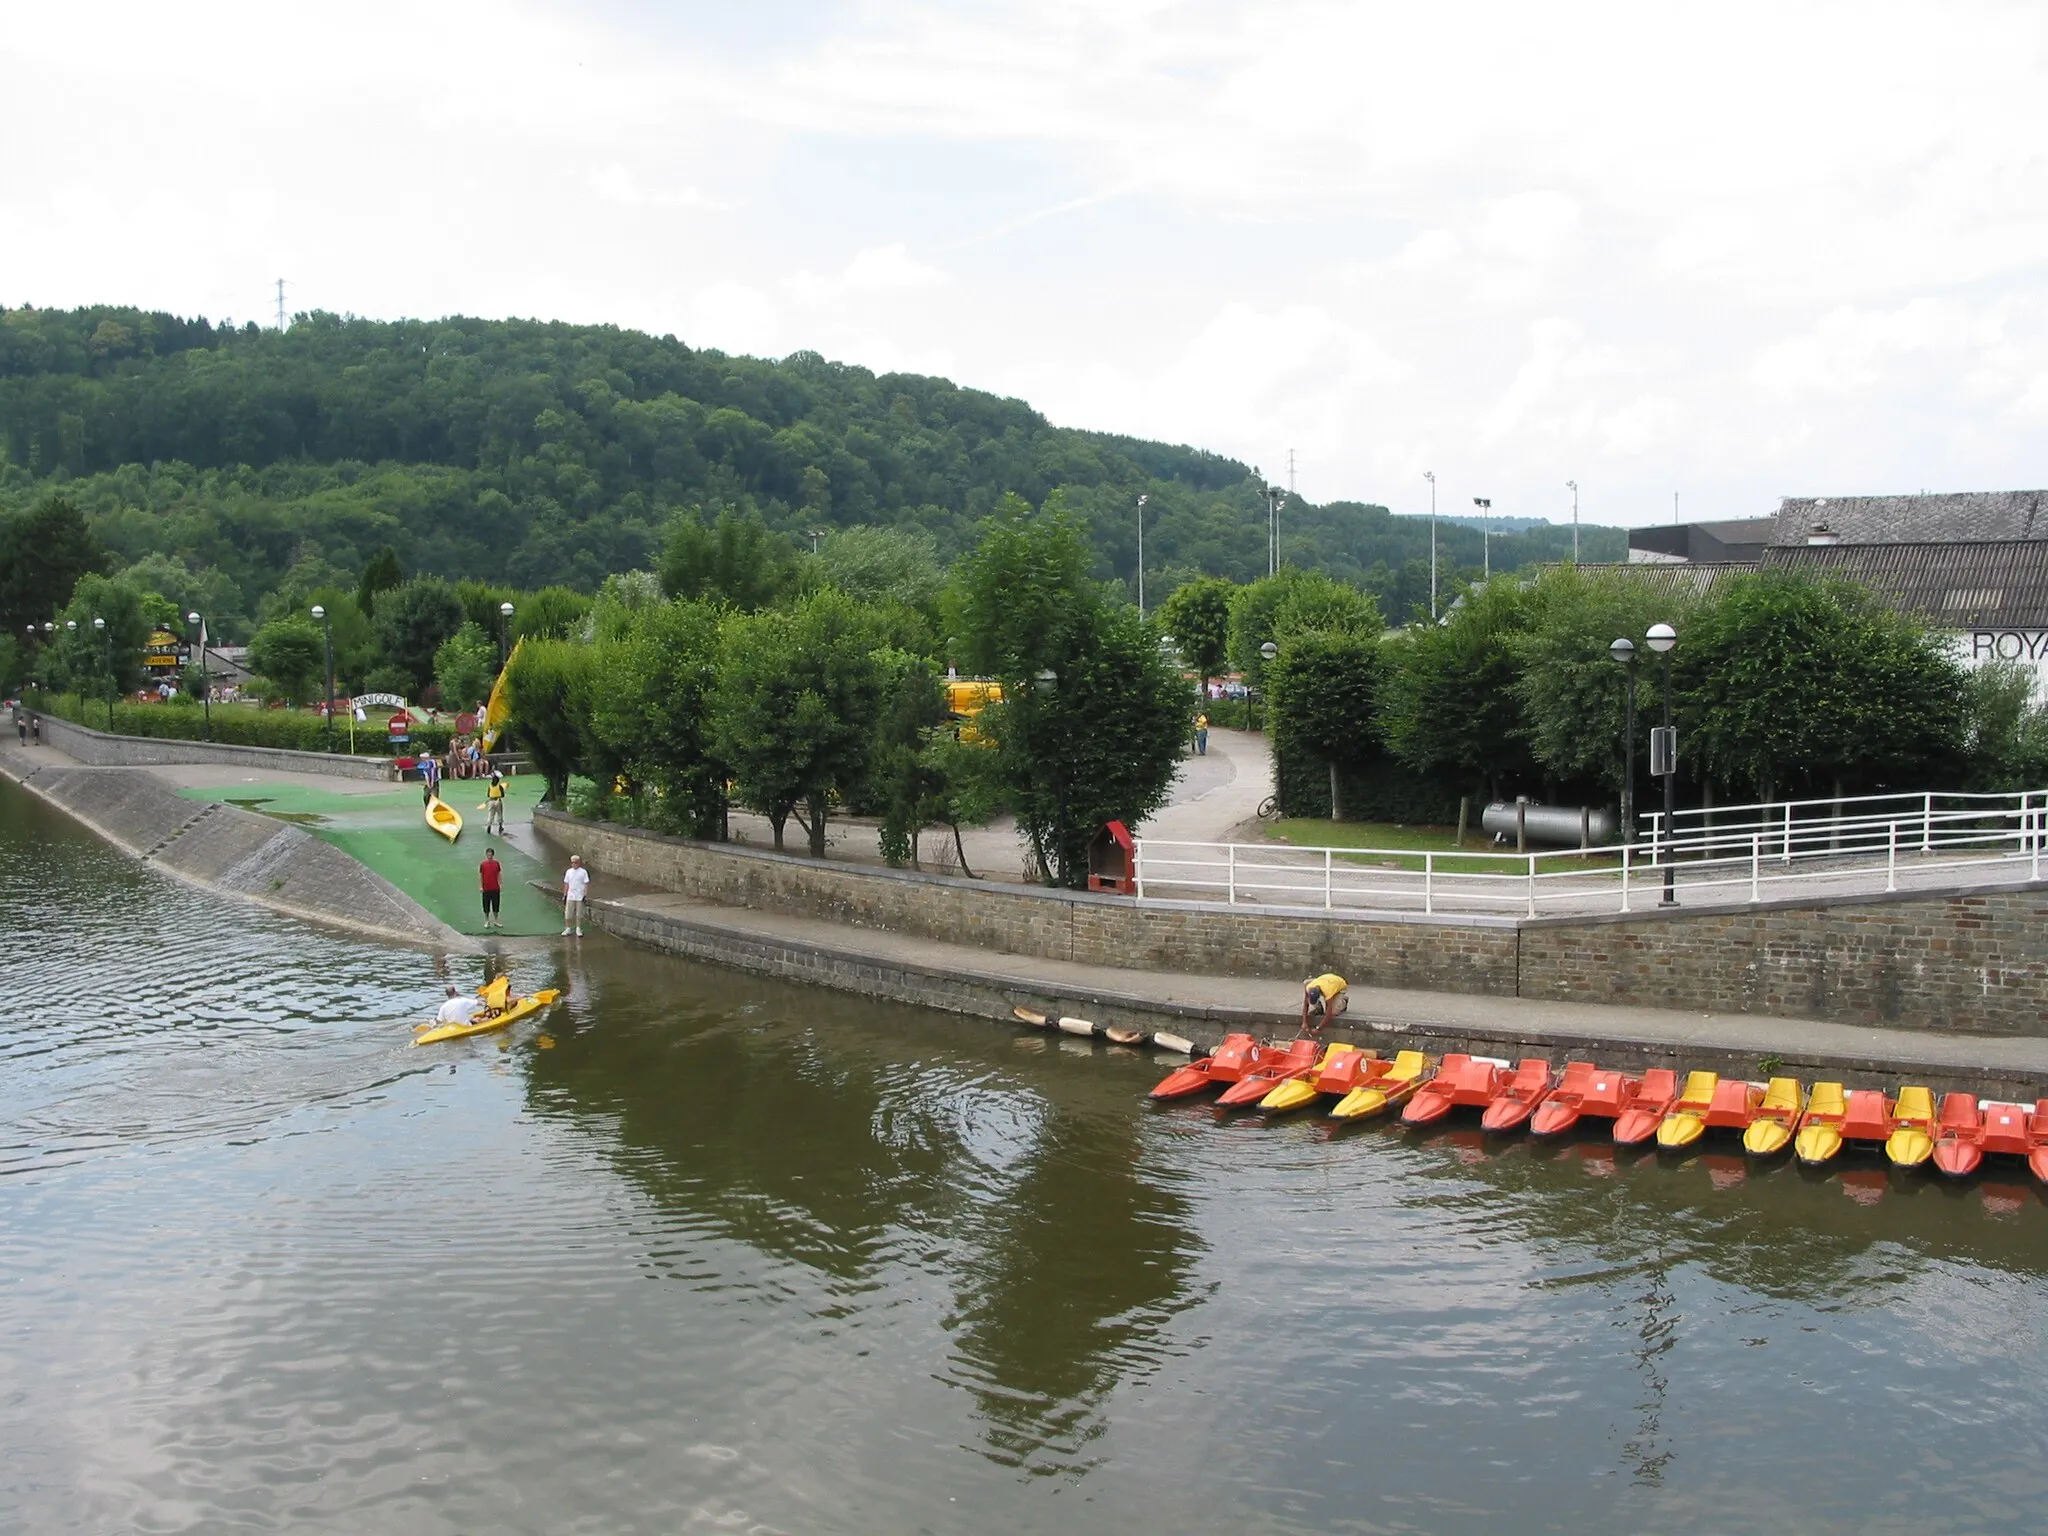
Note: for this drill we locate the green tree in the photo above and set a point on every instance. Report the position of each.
(381, 574)
(465, 666)
(1795, 685)
(43, 553)
(902, 782)
(291, 653)
(1197, 615)
(1451, 709)
(1326, 690)
(412, 621)
(651, 684)
(1292, 601)
(1094, 719)
(2005, 730)
(94, 660)
(1570, 694)
(210, 591)
(736, 560)
(793, 710)
(355, 641)
(549, 688)
(875, 564)
(552, 613)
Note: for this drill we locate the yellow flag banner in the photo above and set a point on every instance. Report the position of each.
(499, 706)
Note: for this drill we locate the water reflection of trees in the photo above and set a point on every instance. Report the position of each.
(1853, 1232)
(856, 1140)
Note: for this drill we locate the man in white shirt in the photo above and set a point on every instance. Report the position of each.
(459, 1009)
(575, 886)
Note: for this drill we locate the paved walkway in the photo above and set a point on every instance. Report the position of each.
(1245, 1002)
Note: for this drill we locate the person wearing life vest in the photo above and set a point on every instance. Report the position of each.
(1322, 999)
(494, 797)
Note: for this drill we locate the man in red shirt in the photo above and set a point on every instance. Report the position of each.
(492, 876)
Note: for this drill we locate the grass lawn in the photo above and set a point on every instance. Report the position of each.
(1306, 832)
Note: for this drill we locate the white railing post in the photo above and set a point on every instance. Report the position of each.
(2036, 838)
(1927, 825)
(1891, 856)
(1532, 885)
(1230, 872)
(1756, 859)
(1326, 879)
(1138, 868)
(1428, 884)
(1788, 832)
(1624, 876)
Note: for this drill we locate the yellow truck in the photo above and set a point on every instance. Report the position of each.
(965, 700)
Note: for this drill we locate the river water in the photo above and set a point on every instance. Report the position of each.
(708, 1253)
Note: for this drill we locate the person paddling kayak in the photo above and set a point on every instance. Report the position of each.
(459, 1009)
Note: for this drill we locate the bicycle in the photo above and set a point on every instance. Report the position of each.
(1269, 807)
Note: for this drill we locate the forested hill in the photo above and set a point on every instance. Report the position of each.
(538, 453)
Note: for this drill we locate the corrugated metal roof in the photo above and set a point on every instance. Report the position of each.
(1966, 516)
(1692, 577)
(1994, 584)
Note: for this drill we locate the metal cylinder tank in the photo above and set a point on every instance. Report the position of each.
(1554, 826)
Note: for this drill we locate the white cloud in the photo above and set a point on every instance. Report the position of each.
(615, 184)
(881, 270)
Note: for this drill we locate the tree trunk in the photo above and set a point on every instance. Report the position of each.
(814, 824)
(1464, 812)
(1336, 795)
(775, 820)
(960, 849)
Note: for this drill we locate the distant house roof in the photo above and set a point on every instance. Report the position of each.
(1738, 539)
(1991, 584)
(1950, 517)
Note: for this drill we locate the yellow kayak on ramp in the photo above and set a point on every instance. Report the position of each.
(497, 1014)
(444, 818)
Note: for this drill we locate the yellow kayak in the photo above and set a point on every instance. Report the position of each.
(444, 818)
(510, 1012)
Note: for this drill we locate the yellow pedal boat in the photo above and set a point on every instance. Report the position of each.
(444, 818)
(1776, 1119)
(1404, 1074)
(500, 1010)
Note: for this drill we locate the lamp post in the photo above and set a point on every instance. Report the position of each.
(504, 633)
(1573, 487)
(1141, 554)
(327, 699)
(1268, 651)
(1047, 679)
(205, 683)
(1624, 651)
(1664, 757)
(106, 660)
(1274, 496)
(1485, 506)
(1430, 476)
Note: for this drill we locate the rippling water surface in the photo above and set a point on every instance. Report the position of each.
(701, 1252)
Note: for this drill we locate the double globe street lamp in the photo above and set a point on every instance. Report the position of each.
(327, 699)
(205, 682)
(1663, 750)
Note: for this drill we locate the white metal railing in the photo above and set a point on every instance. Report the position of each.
(1779, 849)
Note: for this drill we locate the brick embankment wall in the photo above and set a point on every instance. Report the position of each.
(232, 851)
(1450, 955)
(1970, 961)
(100, 750)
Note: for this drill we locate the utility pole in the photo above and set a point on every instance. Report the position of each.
(1274, 496)
(1290, 471)
(1573, 487)
(1430, 476)
(280, 303)
(1141, 554)
(1485, 506)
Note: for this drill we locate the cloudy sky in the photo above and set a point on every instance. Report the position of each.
(1734, 252)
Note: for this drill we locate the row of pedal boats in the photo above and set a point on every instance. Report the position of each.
(1656, 1107)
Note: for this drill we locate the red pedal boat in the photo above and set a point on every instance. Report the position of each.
(1277, 1064)
(1534, 1081)
(1237, 1055)
(1639, 1119)
(1461, 1082)
(1971, 1127)
(1585, 1092)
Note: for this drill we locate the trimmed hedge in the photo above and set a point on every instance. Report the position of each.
(238, 725)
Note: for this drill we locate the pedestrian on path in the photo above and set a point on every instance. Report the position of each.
(430, 777)
(1201, 735)
(494, 797)
(575, 888)
(490, 876)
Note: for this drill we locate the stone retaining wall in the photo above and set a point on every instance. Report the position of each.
(1451, 955)
(100, 750)
(1975, 961)
(849, 969)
